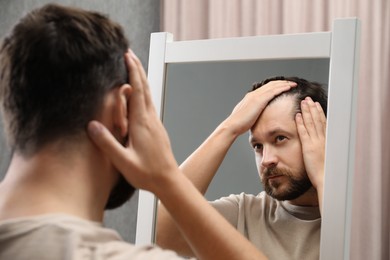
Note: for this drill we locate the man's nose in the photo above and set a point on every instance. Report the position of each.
(269, 157)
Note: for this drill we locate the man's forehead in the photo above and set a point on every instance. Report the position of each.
(272, 130)
(280, 108)
(277, 117)
(283, 100)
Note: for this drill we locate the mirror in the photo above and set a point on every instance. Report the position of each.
(195, 103)
(326, 57)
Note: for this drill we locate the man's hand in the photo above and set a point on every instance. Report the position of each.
(246, 112)
(148, 163)
(147, 158)
(311, 125)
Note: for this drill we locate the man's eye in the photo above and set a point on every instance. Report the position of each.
(280, 138)
(258, 147)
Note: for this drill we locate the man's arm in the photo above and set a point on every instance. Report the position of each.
(147, 162)
(311, 125)
(201, 167)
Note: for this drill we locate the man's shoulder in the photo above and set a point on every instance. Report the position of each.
(56, 225)
(246, 201)
(52, 236)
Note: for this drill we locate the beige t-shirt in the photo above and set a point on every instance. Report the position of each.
(279, 229)
(64, 237)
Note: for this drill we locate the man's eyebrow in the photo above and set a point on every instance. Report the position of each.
(252, 139)
(270, 133)
(275, 131)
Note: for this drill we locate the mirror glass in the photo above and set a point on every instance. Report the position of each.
(198, 96)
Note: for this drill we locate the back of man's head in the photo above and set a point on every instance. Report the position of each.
(303, 89)
(55, 67)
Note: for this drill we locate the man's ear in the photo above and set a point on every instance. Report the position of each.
(121, 109)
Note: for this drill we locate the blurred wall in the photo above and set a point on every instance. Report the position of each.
(139, 18)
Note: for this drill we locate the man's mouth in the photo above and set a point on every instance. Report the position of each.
(274, 176)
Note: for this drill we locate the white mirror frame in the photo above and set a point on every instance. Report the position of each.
(341, 46)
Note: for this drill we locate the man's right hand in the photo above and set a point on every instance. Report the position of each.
(147, 159)
(147, 162)
(246, 113)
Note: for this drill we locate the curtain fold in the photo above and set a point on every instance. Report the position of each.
(203, 19)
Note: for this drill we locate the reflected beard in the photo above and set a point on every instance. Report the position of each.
(121, 193)
(298, 184)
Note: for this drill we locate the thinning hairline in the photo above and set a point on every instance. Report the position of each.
(295, 108)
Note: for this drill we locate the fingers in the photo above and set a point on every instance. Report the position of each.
(269, 91)
(137, 96)
(248, 110)
(311, 124)
(116, 153)
(306, 108)
(313, 117)
(262, 96)
(302, 132)
(274, 88)
(140, 79)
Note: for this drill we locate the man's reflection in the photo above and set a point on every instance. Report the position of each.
(287, 123)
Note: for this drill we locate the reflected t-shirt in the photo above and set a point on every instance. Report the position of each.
(279, 229)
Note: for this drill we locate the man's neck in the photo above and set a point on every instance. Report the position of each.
(56, 181)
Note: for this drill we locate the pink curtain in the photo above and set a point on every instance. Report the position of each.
(203, 19)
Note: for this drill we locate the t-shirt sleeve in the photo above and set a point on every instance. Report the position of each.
(228, 207)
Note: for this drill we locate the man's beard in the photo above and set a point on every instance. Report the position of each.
(298, 183)
(121, 193)
(122, 190)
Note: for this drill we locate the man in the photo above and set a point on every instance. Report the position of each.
(287, 133)
(61, 71)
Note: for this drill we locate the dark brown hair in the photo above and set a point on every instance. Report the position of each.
(55, 67)
(303, 89)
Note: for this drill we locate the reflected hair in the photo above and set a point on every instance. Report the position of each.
(304, 88)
